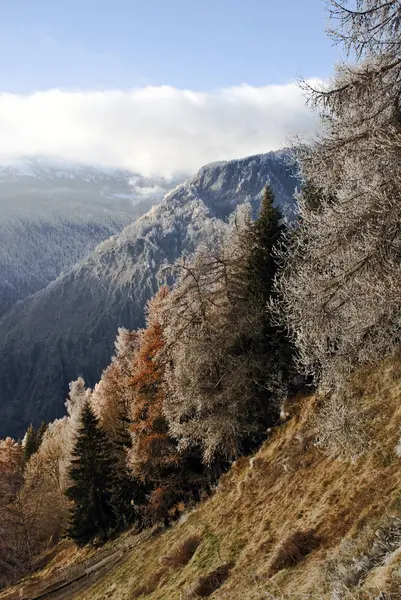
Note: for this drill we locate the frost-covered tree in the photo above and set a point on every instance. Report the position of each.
(15, 548)
(53, 456)
(341, 281)
(23, 522)
(78, 395)
(223, 355)
(171, 478)
(111, 397)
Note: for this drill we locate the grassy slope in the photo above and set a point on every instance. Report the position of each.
(291, 486)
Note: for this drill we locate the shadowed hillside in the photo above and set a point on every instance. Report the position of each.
(68, 329)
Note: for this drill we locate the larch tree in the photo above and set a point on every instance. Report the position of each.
(111, 400)
(170, 477)
(46, 477)
(13, 548)
(341, 276)
(20, 514)
(111, 396)
(78, 395)
(224, 379)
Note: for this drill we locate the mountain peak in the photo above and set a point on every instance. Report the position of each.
(68, 329)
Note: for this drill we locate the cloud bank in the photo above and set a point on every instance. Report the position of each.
(153, 130)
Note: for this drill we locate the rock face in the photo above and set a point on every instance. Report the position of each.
(68, 328)
(52, 215)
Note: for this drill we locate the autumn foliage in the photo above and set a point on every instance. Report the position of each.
(154, 456)
(181, 398)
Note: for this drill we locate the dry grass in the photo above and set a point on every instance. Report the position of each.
(150, 586)
(207, 584)
(292, 486)
(183, 553)
(292, 549)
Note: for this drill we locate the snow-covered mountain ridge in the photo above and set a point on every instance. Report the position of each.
(53, 214)
(68, 328)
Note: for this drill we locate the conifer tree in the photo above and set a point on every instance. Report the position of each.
(129, 493)
(227, 363)
(30, 442)
(41, 432)
(268, 342)
(341, 276)
(261, 236)
(93, 475)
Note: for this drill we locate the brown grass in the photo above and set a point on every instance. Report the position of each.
(183, 553)
(149, 586)
(292, 486)
(207, 584)
(292, 549)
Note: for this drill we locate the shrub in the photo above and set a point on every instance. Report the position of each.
(292, 549)
(183, 553)
(207, 584)
(356, 558)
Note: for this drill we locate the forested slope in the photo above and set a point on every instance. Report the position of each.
(68, 329)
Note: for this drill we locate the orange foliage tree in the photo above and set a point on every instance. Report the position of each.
(173, 478)
(111, 396)
(111, 400)
(16, 547)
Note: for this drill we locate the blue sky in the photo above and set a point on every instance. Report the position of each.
(105, 44)
(157, 86)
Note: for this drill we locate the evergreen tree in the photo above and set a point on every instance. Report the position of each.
(269, 342)
(93, 475)
(41, 432)
(30, 442)
(227, 363)
(129, 494)
(261, 236)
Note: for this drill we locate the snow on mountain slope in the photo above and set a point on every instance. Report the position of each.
(68, 328)
(53, 214)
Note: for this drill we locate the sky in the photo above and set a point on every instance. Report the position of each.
(158, 86)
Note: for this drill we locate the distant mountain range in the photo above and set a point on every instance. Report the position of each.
(52, 215)
(68, 328)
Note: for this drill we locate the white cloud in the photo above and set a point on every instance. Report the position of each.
(152, 130)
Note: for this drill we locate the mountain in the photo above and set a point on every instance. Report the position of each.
(54, 214)
(68, 328)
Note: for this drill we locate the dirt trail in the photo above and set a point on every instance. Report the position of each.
(78, 577)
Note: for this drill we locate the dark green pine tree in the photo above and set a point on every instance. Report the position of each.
(31, 442)
(41, 432)
(262, 235)
(270, 344)
(93, 473)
